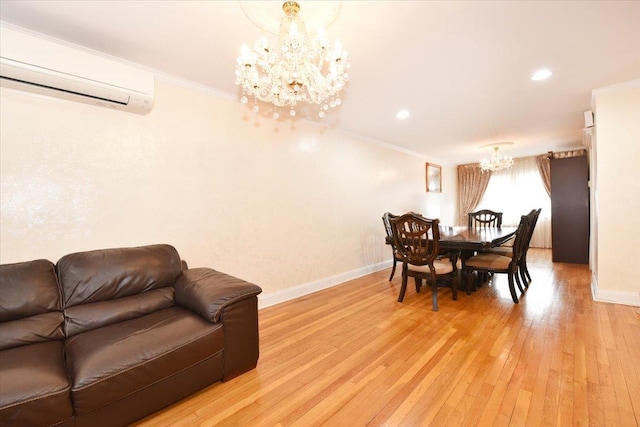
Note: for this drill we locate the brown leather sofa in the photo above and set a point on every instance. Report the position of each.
(106, 337)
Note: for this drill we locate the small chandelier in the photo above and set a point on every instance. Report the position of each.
(296, 69)
(497, 162)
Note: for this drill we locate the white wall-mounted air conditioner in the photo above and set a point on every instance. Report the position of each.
(588, 119)
(41, 66)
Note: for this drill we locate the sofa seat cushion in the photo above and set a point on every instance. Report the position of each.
(115, 361)
(34, 384)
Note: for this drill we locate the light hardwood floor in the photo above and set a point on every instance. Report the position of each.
(353, 356)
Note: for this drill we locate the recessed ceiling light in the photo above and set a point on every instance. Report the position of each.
(541, 74)
(402, 114)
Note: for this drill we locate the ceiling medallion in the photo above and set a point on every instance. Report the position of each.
(297, 68)
(268, 14)
(497, 162)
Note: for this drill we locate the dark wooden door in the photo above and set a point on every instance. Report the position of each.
(570, 210)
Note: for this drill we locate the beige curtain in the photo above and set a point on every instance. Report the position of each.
(544, 167)
(544, 164)
(516, 191)
(472, 183)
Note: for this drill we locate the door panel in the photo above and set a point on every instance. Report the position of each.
(570, 209)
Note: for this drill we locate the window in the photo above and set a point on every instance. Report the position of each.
(516, 191)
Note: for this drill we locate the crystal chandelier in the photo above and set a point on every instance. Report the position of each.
(497, 162)
(298, 68)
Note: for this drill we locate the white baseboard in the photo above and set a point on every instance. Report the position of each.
(273, 298)
(616, 297)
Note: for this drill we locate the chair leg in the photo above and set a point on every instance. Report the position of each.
(512, 287)
(522, 267)
(418, 284)
(393, 269)
(454, 286)
(525, 269)
(484, 277)
(403, 288)
(469, 278)
(434, 292)
(517, 277)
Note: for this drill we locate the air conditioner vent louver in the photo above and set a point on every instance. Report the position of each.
(64, 90)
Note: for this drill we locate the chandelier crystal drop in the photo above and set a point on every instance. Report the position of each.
(298, 68)
(496, 163)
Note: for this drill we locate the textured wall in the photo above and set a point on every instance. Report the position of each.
(276, 203)
(618, 188)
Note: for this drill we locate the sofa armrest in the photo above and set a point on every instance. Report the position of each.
(219, 297)
(208, 292)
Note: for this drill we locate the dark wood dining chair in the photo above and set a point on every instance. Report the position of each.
(386, 220)
(485, 218)
(417, 240)
(487, 262)
(506, 251)
(523, 260)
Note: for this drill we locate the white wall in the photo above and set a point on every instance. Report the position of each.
(617, 193)
(281, 204)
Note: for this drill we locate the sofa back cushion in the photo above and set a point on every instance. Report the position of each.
(85, 317)
(30, 304)
(110, 285)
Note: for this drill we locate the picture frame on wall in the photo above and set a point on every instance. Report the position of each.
(434, 178)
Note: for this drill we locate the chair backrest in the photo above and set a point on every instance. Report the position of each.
(386, 220)
(485, 218)
(522, 237)
(417, 239)
(533, 220)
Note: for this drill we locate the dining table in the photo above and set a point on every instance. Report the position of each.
(474, 239)
(471, 239)
(463, 241)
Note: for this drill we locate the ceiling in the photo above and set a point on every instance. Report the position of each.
(462, 68)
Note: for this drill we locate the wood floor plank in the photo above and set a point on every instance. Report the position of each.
(353, 356)
(623, 399)
(538, 379)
